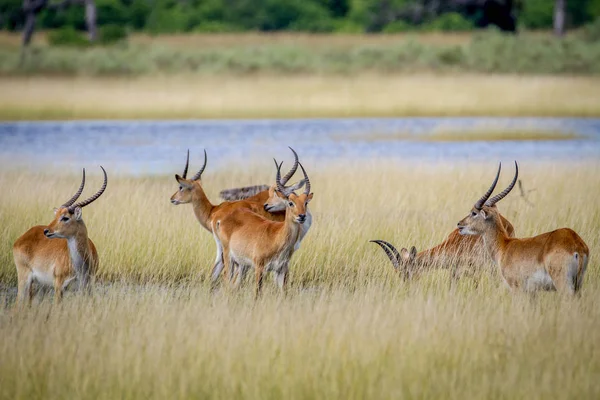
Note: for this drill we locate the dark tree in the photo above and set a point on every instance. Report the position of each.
(32, 8)
(559, 17)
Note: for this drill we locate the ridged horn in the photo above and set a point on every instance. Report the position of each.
(187, 164)
(307, 181)
(199, 173)
(506, 191)
(292, 171)
(487, 194)
(77, 194)
(94, 197)
(390, 251)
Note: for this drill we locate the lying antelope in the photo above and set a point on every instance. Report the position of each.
(42, 259)
(267, 204)
(250, 240)
(554, 260)
(456, 250)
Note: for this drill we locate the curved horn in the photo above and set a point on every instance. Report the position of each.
(280, 187)
(506, 191)
(307, 184)
(94, 197)
(287, 176)
(390, 251)
(76, 195)
(187, 164)
(487, 194)
(199, 174)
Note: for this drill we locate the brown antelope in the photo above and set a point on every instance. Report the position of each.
(456, 250)
(43, 259)
(554, 260)
(191, 191)
(251, 240)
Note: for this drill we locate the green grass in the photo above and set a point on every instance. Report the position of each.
(350, 328)
(488, 52)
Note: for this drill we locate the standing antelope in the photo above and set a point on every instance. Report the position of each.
(266, 203)
(251, 240)
(554, 260)
(43, 259)
(454, 251)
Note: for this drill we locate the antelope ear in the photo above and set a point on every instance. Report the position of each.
(182, 181)
(413, 252)
(484, 214)
(77, 213)
(404, 254)
(55, 210)
(298, 185)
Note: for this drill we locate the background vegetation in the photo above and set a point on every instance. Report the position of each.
(173, 16)
(350, 328)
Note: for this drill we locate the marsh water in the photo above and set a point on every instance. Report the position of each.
(151, 147)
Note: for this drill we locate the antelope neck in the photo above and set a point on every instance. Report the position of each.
(202, 206)
(79, 249)
(495, 239)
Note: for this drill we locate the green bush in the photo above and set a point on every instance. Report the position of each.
(215, 27)
(591, 32)
(109, 34)
(67, 37)
(168, 20)
(537, 14)
(449, 22)
(398, 27)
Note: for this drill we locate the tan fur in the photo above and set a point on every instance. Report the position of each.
(521, 261)
(457, 250)
(41, 259)
(249, 238)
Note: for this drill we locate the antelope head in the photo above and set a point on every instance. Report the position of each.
(403, 260)
(295, 204)
(277, 199)
(484, 212)
(68, 217)
(184, 194)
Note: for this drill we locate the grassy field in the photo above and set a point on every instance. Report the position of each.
(350, 328)
(181, 97)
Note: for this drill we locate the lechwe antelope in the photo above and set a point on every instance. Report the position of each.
(266, 204)
(251, 240)
(41, 258)
(453, 252)
(554, 260)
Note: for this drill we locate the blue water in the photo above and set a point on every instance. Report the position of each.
(159, 146)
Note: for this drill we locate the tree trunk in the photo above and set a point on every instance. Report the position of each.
(559, 17)
(90, 19)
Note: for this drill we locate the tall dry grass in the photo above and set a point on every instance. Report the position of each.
(350, 328)
(177, 97)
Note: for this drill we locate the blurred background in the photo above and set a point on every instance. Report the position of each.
(393, 75)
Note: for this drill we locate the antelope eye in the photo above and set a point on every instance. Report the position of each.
(64, 219)
(473, 214)
(180, 188)
(291, 204)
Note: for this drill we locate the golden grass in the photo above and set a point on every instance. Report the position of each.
(181, 97)
(348, 329)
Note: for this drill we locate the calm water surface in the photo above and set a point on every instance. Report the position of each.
(159, 146)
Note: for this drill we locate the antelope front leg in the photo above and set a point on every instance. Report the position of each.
(59, 283)
(281, 277)
(25, 289)
(260, 272)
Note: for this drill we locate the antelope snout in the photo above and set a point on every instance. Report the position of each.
(47, 233)
(301, 218)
